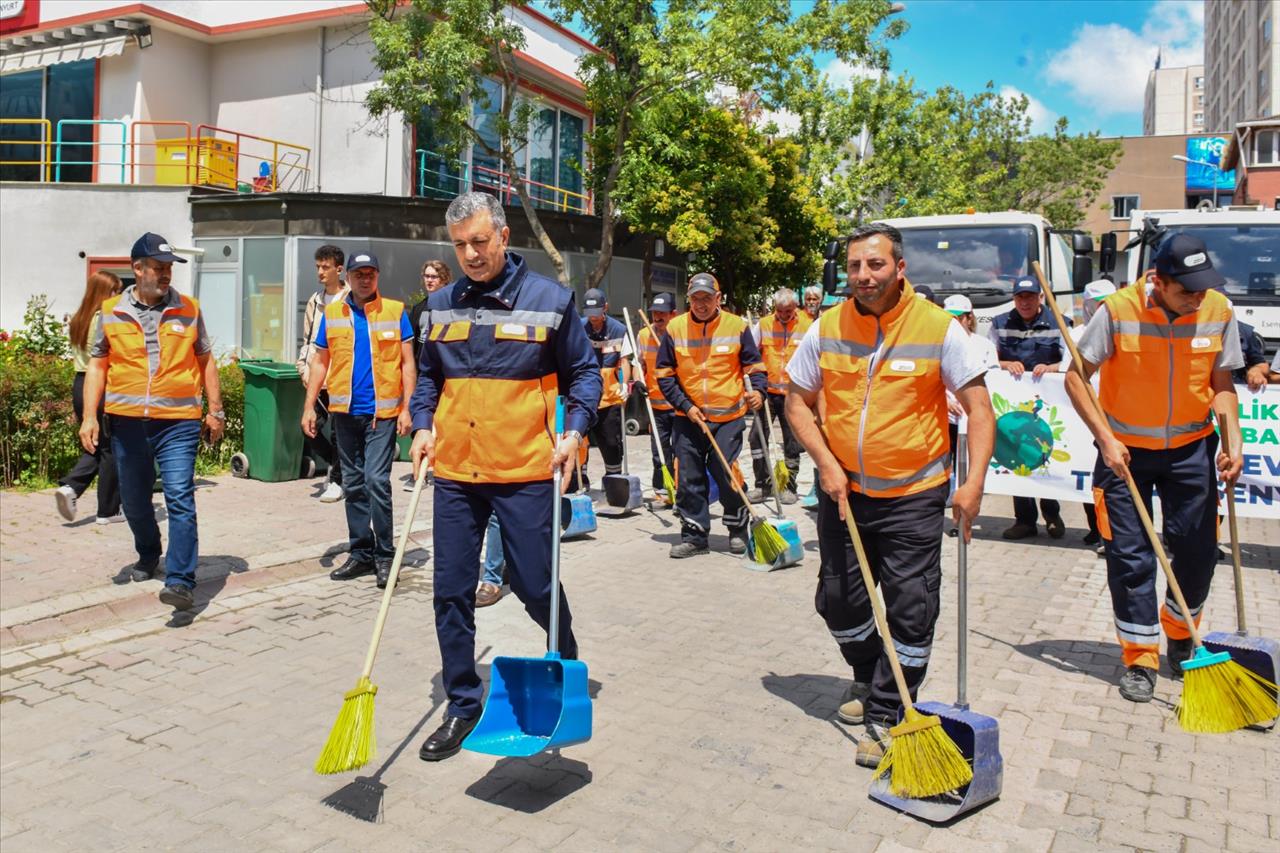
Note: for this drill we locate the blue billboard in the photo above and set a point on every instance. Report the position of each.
(1208, 149)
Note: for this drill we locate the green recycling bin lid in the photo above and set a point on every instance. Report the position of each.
(270, 369)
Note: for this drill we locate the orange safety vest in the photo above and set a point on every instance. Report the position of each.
(169, 389)
(778, 343)
(885, 403)
(383, 317)
(709, 366)
(1155, 388)
(649, 344)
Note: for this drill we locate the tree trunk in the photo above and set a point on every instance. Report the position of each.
(544, 239)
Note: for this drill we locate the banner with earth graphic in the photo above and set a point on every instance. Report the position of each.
(1044, 450)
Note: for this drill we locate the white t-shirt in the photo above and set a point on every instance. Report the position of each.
(984, 349)
(961, 361)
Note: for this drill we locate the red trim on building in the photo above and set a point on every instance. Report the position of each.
(555, 97)
(543, 68)
(96, 263)
(28, 20)
(538, 16)
(196, 26)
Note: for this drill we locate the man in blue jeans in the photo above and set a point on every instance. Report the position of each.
(364, 358)
(151, 358)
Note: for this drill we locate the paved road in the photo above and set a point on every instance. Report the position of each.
(715, 693)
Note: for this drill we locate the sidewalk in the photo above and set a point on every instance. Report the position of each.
(715, 697)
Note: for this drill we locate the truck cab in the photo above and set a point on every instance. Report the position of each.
(982, 255)
(1244, 245)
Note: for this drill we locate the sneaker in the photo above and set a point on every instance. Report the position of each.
(686, 549)
(177, 597)
(759, 496)
(1055, 527)
(851, 710)
(1138, 684)
(65, 499)
(738, 543)
(810, 501)
(872, 745)
(1020, 531)
(788, 497)
(1177, 651)
(110, 519)
(332, 494)
(143, 571)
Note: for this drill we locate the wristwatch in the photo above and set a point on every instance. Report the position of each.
(574, 434)
(220, 414)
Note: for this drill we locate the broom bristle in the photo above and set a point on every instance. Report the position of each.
(769, 544)
(1223, 697)
(351, 741)
(782, 474)
(669, 484)
(924, 761)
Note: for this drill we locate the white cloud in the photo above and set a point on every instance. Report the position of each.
(1105, 66)
(840, 73)
(1042, 118)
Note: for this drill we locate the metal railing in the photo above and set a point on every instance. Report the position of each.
(135, 144)
(95, 145)
(45, 143)
(289, 165)
(448, 177)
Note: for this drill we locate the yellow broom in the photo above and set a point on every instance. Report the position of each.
(767, 541)
(781, 474)
(668, 482)
(352, 741)
(1218, 694)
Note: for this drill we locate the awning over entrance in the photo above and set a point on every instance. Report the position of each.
(54, 54)
(25, 51)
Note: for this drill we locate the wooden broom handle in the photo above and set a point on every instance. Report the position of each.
(1143, 515)
(1235, 535)
(395, 572)
(728, 470)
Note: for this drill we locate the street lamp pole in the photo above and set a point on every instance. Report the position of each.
(1213, 166)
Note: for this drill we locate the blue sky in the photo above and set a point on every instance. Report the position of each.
(1083, 59)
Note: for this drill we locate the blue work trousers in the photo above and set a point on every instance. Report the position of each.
(493, 558)
(367, 447)
(461, 513)
(140, 445)
(700, 465)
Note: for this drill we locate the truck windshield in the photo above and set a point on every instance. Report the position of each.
(1248, 256)
(980, 261)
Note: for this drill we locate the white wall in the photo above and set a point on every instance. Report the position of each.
(53, 223)
(211, 13)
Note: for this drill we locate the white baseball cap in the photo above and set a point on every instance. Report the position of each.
(1099, 289)
(958, 304)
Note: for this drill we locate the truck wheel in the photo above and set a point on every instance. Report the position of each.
(240, 466)
(633, 426)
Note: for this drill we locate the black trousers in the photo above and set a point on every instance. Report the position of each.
(791, 448)
(661, 435)
(696, 459)
(607, 436)
(101, 464)
(323, 447)
(903, 541)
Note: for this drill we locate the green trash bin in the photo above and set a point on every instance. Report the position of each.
(273, 398)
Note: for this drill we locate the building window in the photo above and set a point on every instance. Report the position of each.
(1266, 33)
(1198, 119)
(1199, 100)
(1264, 82)
(1265, 144)
(62, 91)
(1199, 82)
(1123, 205)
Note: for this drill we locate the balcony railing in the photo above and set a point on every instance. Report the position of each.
(440, 176)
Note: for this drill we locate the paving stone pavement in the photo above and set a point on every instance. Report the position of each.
(715, 697)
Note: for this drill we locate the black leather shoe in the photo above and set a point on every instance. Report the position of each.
(383, 573)
(446, 740)
(143, 571)
(352, 568)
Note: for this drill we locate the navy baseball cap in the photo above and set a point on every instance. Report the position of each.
(663, 302)
(1183, 258)
(154, 246)
(703, 282)
(925, 292)
(1026, 285)
(362, 260)
(593, 302)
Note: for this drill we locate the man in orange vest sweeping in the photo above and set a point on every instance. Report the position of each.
(1166, 347)
(878, 368)
(364, 358)
(661, 310)
(777, 335)
(501, 344)
(701, 363)
(152, 356)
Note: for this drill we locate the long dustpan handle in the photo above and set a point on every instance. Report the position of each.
(962, 586)
(553, 633)
(764, 443)
(1235, 539)
(1141, 507)
(395, 572)
(648, 404)
(622, 413)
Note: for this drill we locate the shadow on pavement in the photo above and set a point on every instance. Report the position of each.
(211, 577)
(530, 785)
(817, 695)
(1088, 657)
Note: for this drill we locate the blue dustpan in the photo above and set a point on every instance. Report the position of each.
(577, 516)
(536, 703)
(976, 735)
(790, 557)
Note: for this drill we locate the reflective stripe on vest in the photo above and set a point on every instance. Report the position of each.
(885, 402)
(1156, 388)
(164, 386)
(383, 318)
(709, 368)
(777, 344)
(649, 353)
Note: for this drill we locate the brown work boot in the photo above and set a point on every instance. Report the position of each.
(851, 710)
(1019, 531)
(872, 745)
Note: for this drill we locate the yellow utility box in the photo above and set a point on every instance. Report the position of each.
(205, 161)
